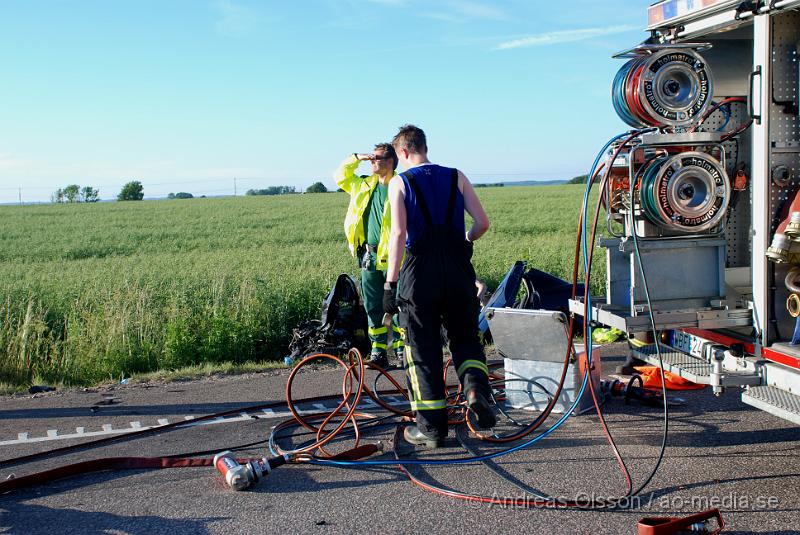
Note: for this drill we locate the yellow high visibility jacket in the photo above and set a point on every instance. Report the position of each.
(360, 190)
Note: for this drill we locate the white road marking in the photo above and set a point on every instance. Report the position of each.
(108, 429)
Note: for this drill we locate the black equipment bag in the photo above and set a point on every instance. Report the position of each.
(343, 324)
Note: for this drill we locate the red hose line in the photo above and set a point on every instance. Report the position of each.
(587, 341)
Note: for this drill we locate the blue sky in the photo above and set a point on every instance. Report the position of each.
(185, 95)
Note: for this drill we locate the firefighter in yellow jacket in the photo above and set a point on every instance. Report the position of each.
(367, 229)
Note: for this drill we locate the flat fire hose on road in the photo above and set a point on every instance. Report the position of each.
(696, 523)
(98, 465)
(149, 463)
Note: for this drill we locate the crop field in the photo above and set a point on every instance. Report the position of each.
(93, 292)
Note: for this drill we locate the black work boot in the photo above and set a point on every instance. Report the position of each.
(479, 404)
(414, 435)
(400, 354)
(379, 359)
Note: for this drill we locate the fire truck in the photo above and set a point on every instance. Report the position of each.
(700, 206)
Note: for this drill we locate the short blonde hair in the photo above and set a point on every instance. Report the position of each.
(411, 138)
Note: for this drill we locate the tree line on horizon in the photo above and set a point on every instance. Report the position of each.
(272, 190)
(316, 187)
(581, 179)
(134, 191)
(75, 193)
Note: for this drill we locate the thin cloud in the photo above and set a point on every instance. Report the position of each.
(476, 10)
(234, 19)
(464, 10)
(565, 36)
(7, 161)
(449, 10)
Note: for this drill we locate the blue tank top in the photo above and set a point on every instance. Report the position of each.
(434, 189)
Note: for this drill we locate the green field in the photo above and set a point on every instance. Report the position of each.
(92, 292)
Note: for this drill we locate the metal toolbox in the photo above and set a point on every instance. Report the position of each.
(533, 344)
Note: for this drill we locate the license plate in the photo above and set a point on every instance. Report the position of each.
(693, 345)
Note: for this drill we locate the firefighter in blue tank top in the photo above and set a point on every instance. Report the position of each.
(366, 227)
(436, 285)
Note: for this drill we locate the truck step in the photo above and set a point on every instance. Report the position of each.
(693, 369)
(775, 401)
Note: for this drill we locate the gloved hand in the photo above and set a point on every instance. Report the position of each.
(390, 298)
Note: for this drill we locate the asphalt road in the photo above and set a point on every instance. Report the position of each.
(721, 453)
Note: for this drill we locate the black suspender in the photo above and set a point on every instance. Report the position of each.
(423, 206)
(451, 202)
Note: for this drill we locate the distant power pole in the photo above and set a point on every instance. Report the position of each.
(234, 186)
(20, 195)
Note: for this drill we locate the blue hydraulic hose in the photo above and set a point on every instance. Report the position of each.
(588, 317)
(727, 113)
(618, 99)
(584, 250)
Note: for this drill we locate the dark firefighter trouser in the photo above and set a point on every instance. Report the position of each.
(372, 281)
(438, 289)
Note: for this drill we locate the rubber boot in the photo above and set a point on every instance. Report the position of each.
(379, 359)
(413, 435)
(479, 404)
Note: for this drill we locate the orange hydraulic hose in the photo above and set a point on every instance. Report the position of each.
(346, 409)
(323, 438)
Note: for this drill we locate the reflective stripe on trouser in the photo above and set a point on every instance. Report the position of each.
(473, 363)
(397, 333)
(418, 403)
(377, 334)
(430, 299)
(372, 282)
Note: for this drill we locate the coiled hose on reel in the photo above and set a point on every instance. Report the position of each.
(671, 87)
(687, 192)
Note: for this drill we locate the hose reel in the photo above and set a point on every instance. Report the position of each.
(686, 192)
(671, 87)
